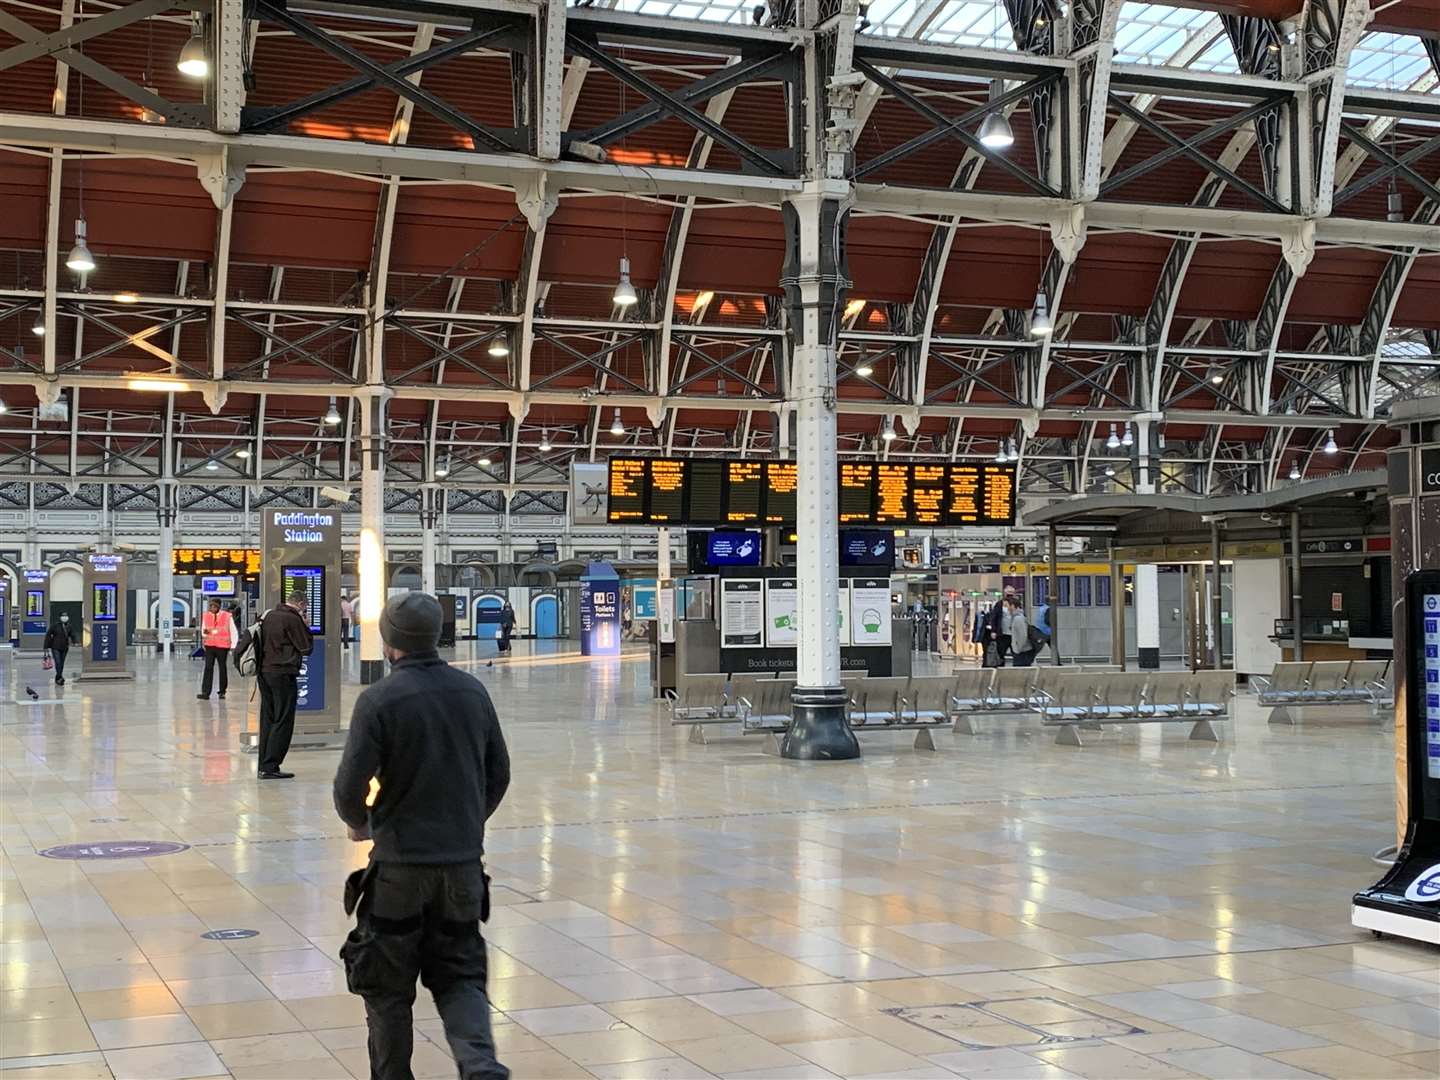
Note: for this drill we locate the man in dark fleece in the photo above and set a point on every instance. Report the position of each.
(429, 736)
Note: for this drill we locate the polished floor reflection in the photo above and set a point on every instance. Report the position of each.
(1002, 908)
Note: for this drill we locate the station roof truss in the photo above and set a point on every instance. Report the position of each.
(1231, 209)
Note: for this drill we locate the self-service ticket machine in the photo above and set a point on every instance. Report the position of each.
(1406, 901)
(301, 553)
(34, 601)
(106, 606)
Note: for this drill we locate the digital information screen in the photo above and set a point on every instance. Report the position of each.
(1430, 676)
(311, 581)
(713, 491)
(927, 494)
(743, 490)
(707, 492)
(218, 586)
(733, 548)
(242, 562)
(34, 604)
(892, 494)
(782, 478)
(627, 491)
(867, 547)
(666, 490)
(857, 493)
(103, 603)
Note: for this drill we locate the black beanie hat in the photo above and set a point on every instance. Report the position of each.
(410, 622)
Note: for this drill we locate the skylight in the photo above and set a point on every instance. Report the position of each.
(1389, 61)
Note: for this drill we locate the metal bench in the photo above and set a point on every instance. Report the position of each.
(1310, 683)
(698, 700)
(1088, 701)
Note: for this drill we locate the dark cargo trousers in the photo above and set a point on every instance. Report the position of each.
(423, 921)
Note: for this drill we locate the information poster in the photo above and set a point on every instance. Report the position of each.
(666, 616)
(870, 611)
(1432, 685)
(782, 612)
(310, 683)
(842, 612)
(742, 613)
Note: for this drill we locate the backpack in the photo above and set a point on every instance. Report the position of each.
(1037, 637)
(248, 648)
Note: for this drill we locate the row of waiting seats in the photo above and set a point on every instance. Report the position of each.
(1070, 698)
(1308, 683)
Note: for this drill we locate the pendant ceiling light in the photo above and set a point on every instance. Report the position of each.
(243, 453)
(332, 414)
(1331, 446)
(498, 347)
(995, 131)
(192, 60)
(211, 465)
(80, 260)
(617, 426)
(38, 327)
(544, 441)
(483, 461)
(625, 294)
(2, 405)
(442, 467)
(1040, 324)
(1394, 203)
(1113, 442)
(864, 370)
(888, 431)
(1294, 470)
(1129, 437)
(1000, 456)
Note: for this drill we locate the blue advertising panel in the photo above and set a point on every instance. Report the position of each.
(600, 611)
(644, 593)
(733, 547)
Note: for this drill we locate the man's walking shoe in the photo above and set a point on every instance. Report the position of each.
(204, 697)
(221, 695)
(277, 775)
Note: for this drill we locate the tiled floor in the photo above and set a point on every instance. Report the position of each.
(1003, 908)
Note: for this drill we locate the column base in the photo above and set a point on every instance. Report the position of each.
(1150, 659)
(371, 671)
(820, 730)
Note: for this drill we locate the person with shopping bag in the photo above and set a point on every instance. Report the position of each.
(217, 638)
(58, 640)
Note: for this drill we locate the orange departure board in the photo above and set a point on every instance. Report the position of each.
(927, 494)
(743, 491)
(782, 480)
(857, 492)
(997, 495)
(666, 491)
(892, 494)
(962, 504)
(242, 562)
(627, 491)
(726, 491)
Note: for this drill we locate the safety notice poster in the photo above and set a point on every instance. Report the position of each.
(782, 613)
(742, 613)
(870, 611)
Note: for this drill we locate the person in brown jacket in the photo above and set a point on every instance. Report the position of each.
(285, 641)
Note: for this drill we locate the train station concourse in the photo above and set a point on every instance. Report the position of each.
(719, 539)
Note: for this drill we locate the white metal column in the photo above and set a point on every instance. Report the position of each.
(1147, 577)
(372, 535)
(164, 559)
(427, 541)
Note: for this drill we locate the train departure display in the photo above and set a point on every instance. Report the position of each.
(716, 491)
(856, 500)
(666, 489)
(927, 494)
(705, 485)
(627, 490)
(743, 492)
(781, 480)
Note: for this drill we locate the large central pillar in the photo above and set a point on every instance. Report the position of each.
(815, 280)
(371, 564)
(165, 564)
(1147, 577)
(428, 521)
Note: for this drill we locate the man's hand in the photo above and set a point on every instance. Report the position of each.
(359, 835)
